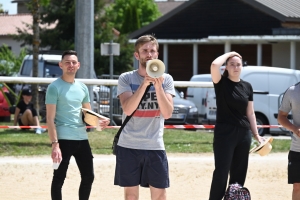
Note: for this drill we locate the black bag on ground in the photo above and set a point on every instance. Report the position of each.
(237, 192)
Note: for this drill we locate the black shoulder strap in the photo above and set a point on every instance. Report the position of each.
(128, 117)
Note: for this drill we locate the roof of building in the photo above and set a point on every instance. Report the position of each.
(201, 18)
(288, 10)
(10, 23)
(166, 6)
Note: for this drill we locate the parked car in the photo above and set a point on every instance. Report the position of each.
(4, 107)
(101, 97)
(103, 106)
(198, 95)
(269, 84)
(47, 66)
(185, 112)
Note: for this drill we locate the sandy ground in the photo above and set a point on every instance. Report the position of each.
(190, 176)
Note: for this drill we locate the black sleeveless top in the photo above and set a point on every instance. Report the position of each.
(232, 101)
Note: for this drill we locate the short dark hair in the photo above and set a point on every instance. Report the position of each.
(68, 52)
(144, 39)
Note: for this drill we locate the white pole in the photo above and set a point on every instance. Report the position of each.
(293, 55)
(107, 82)
(259, 54)
(227, 47)
(165, 50)
(195, 59)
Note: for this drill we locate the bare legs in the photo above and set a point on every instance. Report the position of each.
(132, 193)
(28, 119)
(296, 191)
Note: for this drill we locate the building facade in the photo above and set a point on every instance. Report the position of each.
(192, 35)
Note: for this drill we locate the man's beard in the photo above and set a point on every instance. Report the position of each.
(143, 64)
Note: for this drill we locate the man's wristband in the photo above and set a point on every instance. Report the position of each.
(54, 141)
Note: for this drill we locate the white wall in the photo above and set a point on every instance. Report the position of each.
(15, 45)
(281, 55)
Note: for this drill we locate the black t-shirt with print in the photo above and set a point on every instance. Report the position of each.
(232, 101)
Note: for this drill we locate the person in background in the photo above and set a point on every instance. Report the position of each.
(291, 102)
(65, 98)
(235, 122)
(141, 158)
(25, 113)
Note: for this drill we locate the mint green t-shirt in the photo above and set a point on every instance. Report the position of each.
(68, 98)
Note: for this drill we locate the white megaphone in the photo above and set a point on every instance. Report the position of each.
(155, 68)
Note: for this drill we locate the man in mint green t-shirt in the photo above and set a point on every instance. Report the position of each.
(64, 99)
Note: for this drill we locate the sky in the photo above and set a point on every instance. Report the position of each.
(11, 7)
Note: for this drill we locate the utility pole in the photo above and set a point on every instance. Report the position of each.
(111, 73)
(35, 10)
(84, 40)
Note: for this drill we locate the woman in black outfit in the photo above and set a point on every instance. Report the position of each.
(235, 122)
(26, 114)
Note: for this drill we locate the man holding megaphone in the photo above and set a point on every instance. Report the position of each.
(140, 157)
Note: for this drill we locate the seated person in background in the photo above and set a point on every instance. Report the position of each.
(25, 113)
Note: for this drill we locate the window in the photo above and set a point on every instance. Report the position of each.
(52, 70)
(27, 66)
(45, 69)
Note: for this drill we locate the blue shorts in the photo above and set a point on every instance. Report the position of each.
(141, 167)
(293, 167)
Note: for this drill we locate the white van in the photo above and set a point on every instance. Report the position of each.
(47, 67)
(198, 95)
(269, 84)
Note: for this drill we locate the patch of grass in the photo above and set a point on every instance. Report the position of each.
(280, 145)
(26, 142)
(21, 143)
(182, 141)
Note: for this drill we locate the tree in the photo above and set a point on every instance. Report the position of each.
(125, 16)
(107, 23)
(9, 66)
(34, 7)
(105, 32)
(63, 13)
(1, 8)
(10, 63)
(130, 15)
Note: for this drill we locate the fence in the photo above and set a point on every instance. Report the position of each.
(101, 90)
(103, 103)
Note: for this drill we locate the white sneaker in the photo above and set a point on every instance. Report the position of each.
(40, 130)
